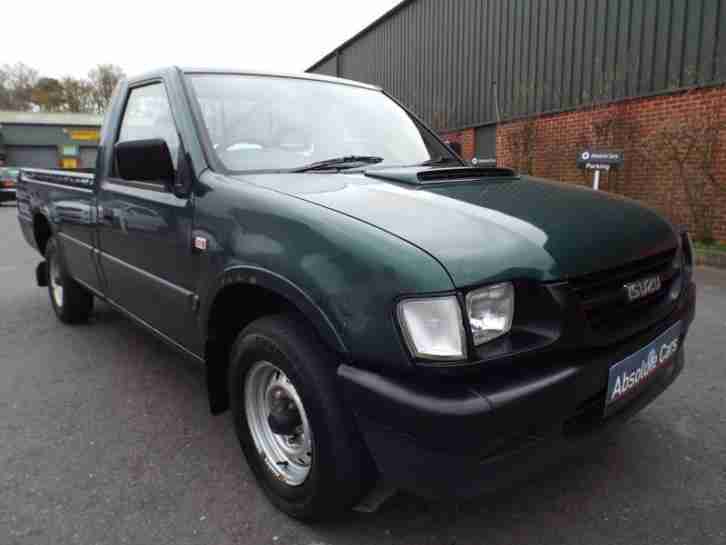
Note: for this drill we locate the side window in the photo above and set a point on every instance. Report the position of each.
(148, 115)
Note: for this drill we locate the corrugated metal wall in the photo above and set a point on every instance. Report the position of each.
(446, 58)
(328, 67)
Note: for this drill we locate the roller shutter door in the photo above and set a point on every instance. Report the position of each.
(32, 157)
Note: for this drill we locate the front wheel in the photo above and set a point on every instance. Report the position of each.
(299, 439)
(71, 302)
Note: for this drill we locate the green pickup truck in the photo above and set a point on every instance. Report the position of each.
(375, 313)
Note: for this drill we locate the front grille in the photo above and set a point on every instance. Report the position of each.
(604, 299)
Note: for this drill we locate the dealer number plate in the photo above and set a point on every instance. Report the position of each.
(628, 376)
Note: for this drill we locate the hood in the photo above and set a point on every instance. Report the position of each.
(492, 228)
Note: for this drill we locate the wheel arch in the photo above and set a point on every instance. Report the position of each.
(42, 231)
(241, 295)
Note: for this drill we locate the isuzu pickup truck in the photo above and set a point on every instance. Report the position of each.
(375, 313)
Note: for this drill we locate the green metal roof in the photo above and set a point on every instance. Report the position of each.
(46, 118)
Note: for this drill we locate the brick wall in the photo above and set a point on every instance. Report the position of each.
(466, 139)
(547, 146)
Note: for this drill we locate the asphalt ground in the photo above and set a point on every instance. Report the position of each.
(106, 437)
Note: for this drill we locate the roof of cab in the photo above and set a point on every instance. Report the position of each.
(241, 72)
(313, 77)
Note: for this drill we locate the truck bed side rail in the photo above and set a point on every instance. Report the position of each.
(79, 180)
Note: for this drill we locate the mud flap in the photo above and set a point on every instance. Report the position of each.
(375, 498)
(41, 274)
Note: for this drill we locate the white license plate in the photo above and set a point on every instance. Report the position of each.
(628, 376)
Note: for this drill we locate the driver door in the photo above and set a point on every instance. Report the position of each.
(145, 229)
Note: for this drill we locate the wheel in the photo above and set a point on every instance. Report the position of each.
(71, 302)
(299, 439)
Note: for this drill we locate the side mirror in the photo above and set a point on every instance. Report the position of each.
(145, 161)
(455, 147)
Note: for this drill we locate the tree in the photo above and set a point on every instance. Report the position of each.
(103, 80)
(17, 82)
(77, 95)
(48, 95)
(21, 89)
(5, 100)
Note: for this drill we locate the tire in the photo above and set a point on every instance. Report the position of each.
(340, 470)
(72, 303)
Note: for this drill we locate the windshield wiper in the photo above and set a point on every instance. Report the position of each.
(439, 161)
(350, 161)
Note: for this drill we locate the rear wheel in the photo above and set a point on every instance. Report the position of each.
(299, 439)
(71, 302)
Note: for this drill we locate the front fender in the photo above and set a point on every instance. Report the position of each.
(278, 284)
(345, 275)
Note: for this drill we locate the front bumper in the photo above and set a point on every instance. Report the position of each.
(464, 438)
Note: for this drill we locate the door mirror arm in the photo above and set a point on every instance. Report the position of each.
(181, 185)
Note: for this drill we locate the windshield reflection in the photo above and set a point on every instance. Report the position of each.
(280, 123)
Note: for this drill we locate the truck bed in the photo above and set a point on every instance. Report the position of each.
(66, 200)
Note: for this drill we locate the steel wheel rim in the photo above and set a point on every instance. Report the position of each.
(56, 284)
(288, 457)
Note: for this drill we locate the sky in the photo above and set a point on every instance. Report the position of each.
(70, 37)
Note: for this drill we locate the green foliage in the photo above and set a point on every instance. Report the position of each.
(711, 246)
(48, 94)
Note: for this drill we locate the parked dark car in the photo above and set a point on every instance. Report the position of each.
(370, 308)
(8, 183)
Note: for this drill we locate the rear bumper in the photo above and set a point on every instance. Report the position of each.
(464, 439)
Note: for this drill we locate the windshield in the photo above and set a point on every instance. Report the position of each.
(278, 123)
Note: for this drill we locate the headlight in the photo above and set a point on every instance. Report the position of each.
(433, 328)
(490, 311)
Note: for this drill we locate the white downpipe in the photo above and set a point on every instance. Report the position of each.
(596, 181)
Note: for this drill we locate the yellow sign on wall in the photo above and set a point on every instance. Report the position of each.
(84, 134)
(69, 162)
